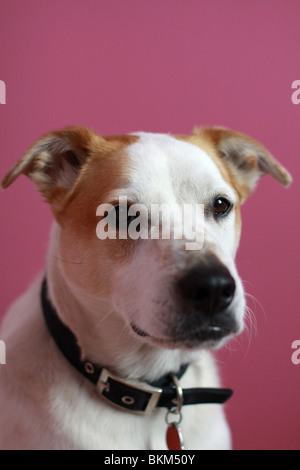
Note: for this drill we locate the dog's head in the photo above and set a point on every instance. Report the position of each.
(165, 293)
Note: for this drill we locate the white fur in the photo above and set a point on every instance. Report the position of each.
(165, 170)
(45, 403)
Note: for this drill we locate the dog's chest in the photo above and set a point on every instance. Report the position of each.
(92, 424)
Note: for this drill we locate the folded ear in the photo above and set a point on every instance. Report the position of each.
(246, 159)
(54, 161)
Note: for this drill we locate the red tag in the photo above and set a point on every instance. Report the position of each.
(174, 437)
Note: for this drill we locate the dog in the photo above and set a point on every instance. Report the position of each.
(126, 313)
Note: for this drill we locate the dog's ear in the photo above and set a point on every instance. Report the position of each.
(54, 161)
(246, 158)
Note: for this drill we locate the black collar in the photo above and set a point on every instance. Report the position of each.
(134, 396)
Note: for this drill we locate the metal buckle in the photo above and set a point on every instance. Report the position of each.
(103, 386)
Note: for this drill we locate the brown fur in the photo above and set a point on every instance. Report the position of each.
(100, 164)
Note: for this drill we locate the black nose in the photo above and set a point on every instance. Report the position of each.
(207, 288)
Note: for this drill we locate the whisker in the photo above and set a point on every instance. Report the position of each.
(251, 318)
(256, 303)
(233, 345)
(120, 335)
(250, 326)
(103, 319)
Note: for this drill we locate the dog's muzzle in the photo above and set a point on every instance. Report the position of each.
(208, 290)
(204, 311)
(204, 295)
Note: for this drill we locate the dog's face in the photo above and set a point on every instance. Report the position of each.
(170, 295)
(165, 293)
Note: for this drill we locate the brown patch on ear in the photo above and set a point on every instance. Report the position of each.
(47, 159)
(251, 161)
(246, 159)
(56, 161)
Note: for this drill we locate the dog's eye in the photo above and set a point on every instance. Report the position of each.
(121, 213)
(122, 217)
(221, 207)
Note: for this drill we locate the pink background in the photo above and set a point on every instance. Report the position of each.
(166, 65)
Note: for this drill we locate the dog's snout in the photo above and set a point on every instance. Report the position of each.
(207, 288)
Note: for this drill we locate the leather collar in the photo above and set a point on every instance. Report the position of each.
(134, 396)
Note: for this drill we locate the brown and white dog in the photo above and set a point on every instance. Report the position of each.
(140, 308)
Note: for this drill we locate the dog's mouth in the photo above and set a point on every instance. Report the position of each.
(208, 336)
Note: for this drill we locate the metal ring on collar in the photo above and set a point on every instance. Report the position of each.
(179, 394)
